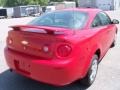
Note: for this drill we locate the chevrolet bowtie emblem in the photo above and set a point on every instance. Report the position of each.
(24, 42)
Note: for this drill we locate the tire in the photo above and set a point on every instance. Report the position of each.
(92, 72)
(114, 42)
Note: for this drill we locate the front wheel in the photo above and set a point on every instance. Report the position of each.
(92, 72)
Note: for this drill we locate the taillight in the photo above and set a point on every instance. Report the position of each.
(64, 50)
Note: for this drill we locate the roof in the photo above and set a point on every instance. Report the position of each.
(89, 10)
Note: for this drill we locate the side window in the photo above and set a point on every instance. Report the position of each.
(105, 20)
(96, 22)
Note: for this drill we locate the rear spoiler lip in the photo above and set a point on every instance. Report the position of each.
(46, 28)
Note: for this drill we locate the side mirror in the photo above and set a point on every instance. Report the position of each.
(114, 21)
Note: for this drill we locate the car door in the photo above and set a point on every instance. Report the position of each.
(109, 28)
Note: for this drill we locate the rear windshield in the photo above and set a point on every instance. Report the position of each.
(63, 19)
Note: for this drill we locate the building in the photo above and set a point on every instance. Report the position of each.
(60, 5)
(28, 10)
(101, 4)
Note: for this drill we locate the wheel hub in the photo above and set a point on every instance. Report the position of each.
(94, 68)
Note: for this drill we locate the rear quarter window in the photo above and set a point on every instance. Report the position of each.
(105, 19)
(96, 22)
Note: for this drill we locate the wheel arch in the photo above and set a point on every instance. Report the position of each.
(95, 50)
(98, 53)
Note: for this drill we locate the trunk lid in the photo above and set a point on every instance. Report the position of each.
(34, 40)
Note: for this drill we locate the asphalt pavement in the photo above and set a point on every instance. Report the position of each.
(108, 77)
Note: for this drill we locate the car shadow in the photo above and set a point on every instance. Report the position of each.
(13, 81)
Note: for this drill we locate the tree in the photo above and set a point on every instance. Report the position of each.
(42, 2)
(57, 0)
(1, 2)
(12, 3)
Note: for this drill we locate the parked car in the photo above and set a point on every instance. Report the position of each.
(61, 47)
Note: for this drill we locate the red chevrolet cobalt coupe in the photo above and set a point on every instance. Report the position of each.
(61, 47)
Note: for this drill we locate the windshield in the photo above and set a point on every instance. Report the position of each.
(64, 19)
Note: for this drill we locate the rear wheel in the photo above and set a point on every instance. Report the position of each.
(91, 75)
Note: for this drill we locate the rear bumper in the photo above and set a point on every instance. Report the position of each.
(55, 72)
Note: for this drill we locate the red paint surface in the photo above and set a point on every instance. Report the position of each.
(49, 67)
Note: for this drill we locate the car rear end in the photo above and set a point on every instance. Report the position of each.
(45, 49)
(41, 55)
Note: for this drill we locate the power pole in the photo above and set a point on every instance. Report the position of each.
(77, 5)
